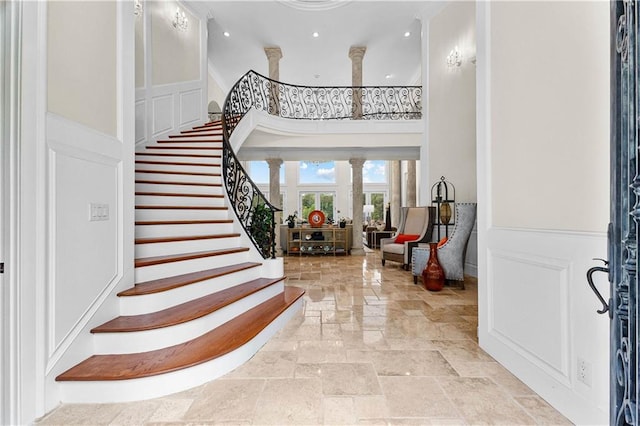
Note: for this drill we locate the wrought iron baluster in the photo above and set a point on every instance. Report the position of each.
(256, 91)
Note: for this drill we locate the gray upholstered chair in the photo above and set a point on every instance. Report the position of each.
(451, 254)
(413, 221)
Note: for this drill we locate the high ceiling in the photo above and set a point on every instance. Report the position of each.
(391, 57)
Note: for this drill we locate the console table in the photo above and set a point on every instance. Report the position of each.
(373, 238)
(318, 241)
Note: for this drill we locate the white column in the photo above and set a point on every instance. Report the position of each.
(411, 183)
(273, 55)
(396, 196)
(356, 53)
(274, 193)
(356, 166)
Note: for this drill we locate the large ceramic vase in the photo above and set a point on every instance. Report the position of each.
(433, 274)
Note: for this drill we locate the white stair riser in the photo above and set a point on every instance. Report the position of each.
(184, 189)
(174, 214)
(149, 231)
(168, 177)
(201, 150)
(141, 156)
(178, 168)
(176, 381)
(142, 341)
(190, 146)
(177, 247)
(163, 270)
(144, 304)
(159, 200)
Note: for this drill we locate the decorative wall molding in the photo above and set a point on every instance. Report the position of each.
(541, 281)
(190, 102)
(538, 315)
(141, 117)
(71, 140)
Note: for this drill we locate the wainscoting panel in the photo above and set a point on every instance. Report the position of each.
(190, 107)
(85, 168)
(539, 282)
(537, 315)
(162, 114)
(141, 121)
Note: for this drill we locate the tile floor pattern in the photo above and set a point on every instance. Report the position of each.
(369, 348)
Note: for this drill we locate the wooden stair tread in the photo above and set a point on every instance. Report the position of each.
(204, 126)
(190, 141)
(157, 260)
(184, 238)
(211, 345)
(195, 135)
(175, 163)
(168, 154)
(174, 172)
(163, 284)
(204, 129)
(179, 194)
(187, 311)
(219, 148)
(162, 182)
(154, 207)
(183, 222)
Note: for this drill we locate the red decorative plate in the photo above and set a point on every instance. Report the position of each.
(316, 218)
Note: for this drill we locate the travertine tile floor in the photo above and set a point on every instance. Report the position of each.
(369, 347)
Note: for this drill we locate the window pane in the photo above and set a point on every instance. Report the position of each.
(374, 171)
(259, 171)
(317, 172)
(308, 202)
(326, 205)
(377, 199)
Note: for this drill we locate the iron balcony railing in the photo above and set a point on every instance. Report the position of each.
(256, 91)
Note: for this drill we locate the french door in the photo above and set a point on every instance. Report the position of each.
(625, 213)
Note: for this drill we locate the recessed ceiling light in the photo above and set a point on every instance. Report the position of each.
(315, 34)
(407, 34)
(226, 34)
(388, 76)
(316, 76)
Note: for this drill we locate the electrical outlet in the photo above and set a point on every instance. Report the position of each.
(98, 212)
(584, 371)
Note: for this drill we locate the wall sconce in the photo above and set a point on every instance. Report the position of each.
(454, 58)
(137, 8)
(180, 21)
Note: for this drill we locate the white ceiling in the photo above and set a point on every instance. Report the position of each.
(378, 25)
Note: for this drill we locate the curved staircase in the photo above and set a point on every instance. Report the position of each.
(201, 305)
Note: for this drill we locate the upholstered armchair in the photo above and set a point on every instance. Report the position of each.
(452, 253)
(416, 225)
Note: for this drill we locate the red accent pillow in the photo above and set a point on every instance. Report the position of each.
(403, 238)
(442, 242)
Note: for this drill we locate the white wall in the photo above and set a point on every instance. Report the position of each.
(74, 151)
(173, 95)
(215, 91)
(452, 100)
(543, 129)
(81, 70)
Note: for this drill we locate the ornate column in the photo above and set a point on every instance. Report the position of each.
(273, 55)
(411, 183)
(356, 53)
(396, 196)
(356, 167)
(274, 193)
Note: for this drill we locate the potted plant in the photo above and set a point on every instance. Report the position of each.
(291, 219)
(342, 222)
(261, 226)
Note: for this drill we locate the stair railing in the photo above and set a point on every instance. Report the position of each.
(253, 90)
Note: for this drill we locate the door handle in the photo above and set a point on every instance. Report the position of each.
(590, 272)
